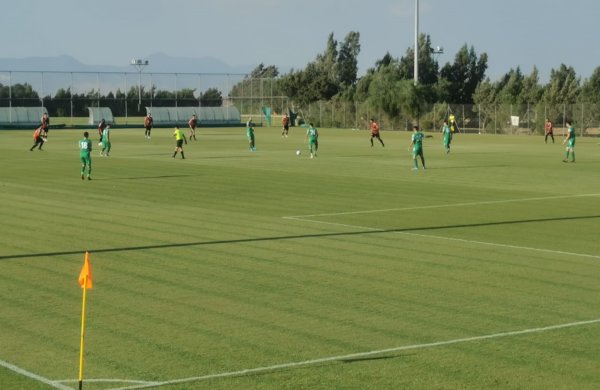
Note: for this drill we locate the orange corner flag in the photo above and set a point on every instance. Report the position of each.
(85, 276)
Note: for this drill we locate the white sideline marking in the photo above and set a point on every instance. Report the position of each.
(36, 377)
(361, 355)
(443, 205)
(451, 239)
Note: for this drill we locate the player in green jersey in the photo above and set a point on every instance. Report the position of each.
(570, 141)
(106, 145)
(312, 135)
(85, 155)
(447, 136)
(416, 144)
(250, 135)
(179, 140)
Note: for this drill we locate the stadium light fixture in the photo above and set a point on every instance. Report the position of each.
(139, 65)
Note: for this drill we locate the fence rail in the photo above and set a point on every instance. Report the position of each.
(128, 95)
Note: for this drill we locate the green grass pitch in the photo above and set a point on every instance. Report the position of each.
(480, 272)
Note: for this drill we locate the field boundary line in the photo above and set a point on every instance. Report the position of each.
(360, 355)
(486, 202)
(33, 376)
(587, 255)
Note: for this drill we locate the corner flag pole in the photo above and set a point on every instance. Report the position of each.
(85, 281)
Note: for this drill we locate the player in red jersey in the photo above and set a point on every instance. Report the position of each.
(549, 130)
(148, 122)
(375, 132)
(101, 127)
(192, 123)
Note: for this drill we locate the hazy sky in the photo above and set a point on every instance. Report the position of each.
(290, 33)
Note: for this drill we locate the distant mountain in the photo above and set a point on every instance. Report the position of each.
(163, 63)
(158, 63)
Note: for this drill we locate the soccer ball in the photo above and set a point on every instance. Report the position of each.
(99, 143)
(298, 152)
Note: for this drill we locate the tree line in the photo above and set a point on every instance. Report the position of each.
(388, 85)
(65, 103)
(333, 76)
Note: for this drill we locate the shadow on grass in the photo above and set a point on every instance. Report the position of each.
(373, 231)
(456, 167)
(144, 177)
(367, 358)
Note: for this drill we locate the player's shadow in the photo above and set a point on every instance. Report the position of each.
(298, 236)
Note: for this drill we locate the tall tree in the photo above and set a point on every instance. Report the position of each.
(385, 90)
(326, 62)
(211, 98)
(347, 61)
(464, 74)
(510, 87)
(532, 90)
(485, 99)
(590, 90)
(263, 72)
(428, 66)
(563, 86)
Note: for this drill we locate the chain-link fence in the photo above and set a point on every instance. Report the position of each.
(68, 95)
(494, 119)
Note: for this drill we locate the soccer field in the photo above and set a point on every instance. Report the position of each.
(234, 269)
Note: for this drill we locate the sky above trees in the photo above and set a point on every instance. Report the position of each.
(290, 33)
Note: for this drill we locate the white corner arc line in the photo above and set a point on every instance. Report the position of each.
(33, 376)
(363, 354)
(487, 202)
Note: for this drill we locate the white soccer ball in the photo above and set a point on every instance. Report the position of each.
(99, 143)
(298, 152)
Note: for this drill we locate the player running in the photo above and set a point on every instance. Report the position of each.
(85, 155)
(375, 132)
(447, 136)
(192, 123)
(312, 135)
(37, 139)
(570, 141)
(179, 140)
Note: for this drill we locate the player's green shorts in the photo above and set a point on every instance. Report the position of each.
(86, 160)
(417, 152)
(571, 143)
(106, 145)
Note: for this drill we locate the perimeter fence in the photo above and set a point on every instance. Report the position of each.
(67, 96)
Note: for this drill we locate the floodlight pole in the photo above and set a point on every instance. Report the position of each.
(416, 64)
(139, 65)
